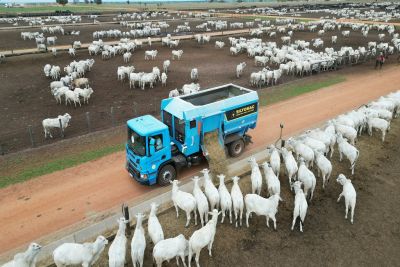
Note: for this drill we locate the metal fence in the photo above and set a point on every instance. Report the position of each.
(340, 62)
(30, 136)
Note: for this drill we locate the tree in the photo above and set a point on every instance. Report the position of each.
(99, 2)
(86, 1)
(62, 2)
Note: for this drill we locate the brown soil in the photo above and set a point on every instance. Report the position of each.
(55, 201)
(85, 19)
(328, 238)
(11, 39)
(26, 100)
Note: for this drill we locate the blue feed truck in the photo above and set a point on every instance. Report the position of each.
(156, 150)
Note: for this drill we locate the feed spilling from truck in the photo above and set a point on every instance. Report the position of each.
(156, 150)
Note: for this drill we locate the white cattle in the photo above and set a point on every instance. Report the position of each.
(150, 54)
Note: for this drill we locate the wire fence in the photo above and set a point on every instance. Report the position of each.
(32, 136)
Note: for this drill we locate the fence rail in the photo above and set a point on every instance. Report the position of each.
(33, 135)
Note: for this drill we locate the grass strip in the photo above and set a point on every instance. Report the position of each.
(59, 164)
(266, 17)
(73, 8)
(266, 97)
(270, 96)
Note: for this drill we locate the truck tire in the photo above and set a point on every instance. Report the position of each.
(236, 148)
(166, 174)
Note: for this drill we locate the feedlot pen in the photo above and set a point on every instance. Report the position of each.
(26, 99)
(328, 238)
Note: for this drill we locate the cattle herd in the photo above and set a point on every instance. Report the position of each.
(302, 159)
(292, 57)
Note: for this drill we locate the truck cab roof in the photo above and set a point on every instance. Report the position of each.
(146, 124)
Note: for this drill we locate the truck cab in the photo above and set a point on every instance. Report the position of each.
(157, 149)
(147, 147)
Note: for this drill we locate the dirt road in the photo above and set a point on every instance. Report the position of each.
(58, 200)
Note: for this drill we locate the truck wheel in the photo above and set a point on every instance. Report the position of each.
(236, 148)
(166, 174)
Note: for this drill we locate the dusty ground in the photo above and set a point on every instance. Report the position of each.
(328, 238)
(58, 200)
(85, 19)
(26, 99)
(11, 39)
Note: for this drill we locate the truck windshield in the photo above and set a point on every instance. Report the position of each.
(137, 143)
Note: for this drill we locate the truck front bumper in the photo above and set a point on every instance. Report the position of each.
(135, 174)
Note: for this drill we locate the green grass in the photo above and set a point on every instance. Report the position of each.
(305, 20)
(259, 17)
(58, 165)
(72, 7)
(267, 96)
(270, 96)
(275, 17)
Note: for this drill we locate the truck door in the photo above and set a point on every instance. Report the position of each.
(160, 154)
(193, 137)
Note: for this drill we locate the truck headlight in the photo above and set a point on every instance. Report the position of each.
(143, 176)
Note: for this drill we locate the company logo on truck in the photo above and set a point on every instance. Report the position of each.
(241, 112)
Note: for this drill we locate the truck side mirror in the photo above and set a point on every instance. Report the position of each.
(152, 146)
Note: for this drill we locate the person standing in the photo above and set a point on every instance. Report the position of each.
(379, 60)
(382, 60)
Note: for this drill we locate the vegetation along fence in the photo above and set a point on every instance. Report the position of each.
(33, 135)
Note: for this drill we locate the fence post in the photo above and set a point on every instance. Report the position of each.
(61, 128)
(2, 150)
(125, 212)
(112, 116)
(31, 135)
(134, 108)
(88, 121)
(155, 105)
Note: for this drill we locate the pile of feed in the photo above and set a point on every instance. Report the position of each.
(216, 157)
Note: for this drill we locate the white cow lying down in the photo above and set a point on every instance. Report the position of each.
(50, 123)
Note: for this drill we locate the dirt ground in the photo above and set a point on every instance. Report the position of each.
(85, 19)
(328, 239)
(26, 100)
(11, 39)
(54, 203)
